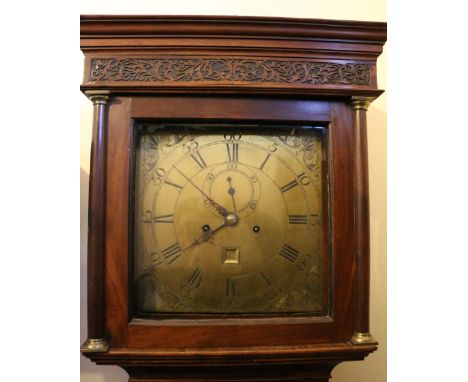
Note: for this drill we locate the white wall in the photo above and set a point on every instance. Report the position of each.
(373, 369)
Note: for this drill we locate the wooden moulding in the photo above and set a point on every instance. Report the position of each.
(200, 54)
(153, 25)
(241, 356)
(282, 364)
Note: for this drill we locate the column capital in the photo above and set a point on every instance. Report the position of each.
(361, 103)
(98, 97)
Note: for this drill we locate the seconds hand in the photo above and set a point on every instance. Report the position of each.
(232, 191)
(222, 211)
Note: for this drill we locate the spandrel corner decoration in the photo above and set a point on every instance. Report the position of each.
(228, 195)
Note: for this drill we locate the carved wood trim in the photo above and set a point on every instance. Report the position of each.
(226, 356)
(230, 70)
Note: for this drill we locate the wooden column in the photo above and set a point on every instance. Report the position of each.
(96, 226)
(361, 217)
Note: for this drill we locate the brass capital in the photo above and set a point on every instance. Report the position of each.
(363, 339)
(360, 103)
(98, 97)
(95, 345)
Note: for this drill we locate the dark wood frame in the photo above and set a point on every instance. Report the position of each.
(232, 69)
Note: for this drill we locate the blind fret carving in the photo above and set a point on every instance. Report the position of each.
(228, 70)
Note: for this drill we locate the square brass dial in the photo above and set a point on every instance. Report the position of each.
(229, 219)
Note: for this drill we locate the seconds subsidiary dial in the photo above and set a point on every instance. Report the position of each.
(229, 219)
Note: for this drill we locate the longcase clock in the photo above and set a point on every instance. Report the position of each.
(228, 223)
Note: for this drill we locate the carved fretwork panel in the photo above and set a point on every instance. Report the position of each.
(228, 70)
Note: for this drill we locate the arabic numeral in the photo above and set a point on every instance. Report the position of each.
(273, 147)
(159, 175)
(233, 137)
(189, 147)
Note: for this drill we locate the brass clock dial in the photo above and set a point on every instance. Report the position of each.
(228, 219)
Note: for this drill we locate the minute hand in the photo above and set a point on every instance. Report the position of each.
(221, 210)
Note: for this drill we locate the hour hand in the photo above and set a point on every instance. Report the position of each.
(229, 220)
(207, 234)
(201, 239)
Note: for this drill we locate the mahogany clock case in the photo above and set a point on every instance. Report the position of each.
(230, 71)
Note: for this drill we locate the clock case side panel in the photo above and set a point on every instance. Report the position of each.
(125, 333)
(117, 218)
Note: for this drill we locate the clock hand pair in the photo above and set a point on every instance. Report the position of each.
(221, 210)
(229, 220)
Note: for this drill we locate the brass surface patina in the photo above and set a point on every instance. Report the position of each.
(228, 219)
(95, 345)
(363, 339)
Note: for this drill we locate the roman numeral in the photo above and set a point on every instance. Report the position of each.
(230, 287)
(164, 219)
(288, 186)
(198, 159)
(297, 219)
(289, 253)
(195, 278)
(264, 162)
(265, 278)
(172, 253)
(174, 185)
(233, 152)
(157, 219)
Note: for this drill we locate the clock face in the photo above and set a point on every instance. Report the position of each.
(229, 219)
